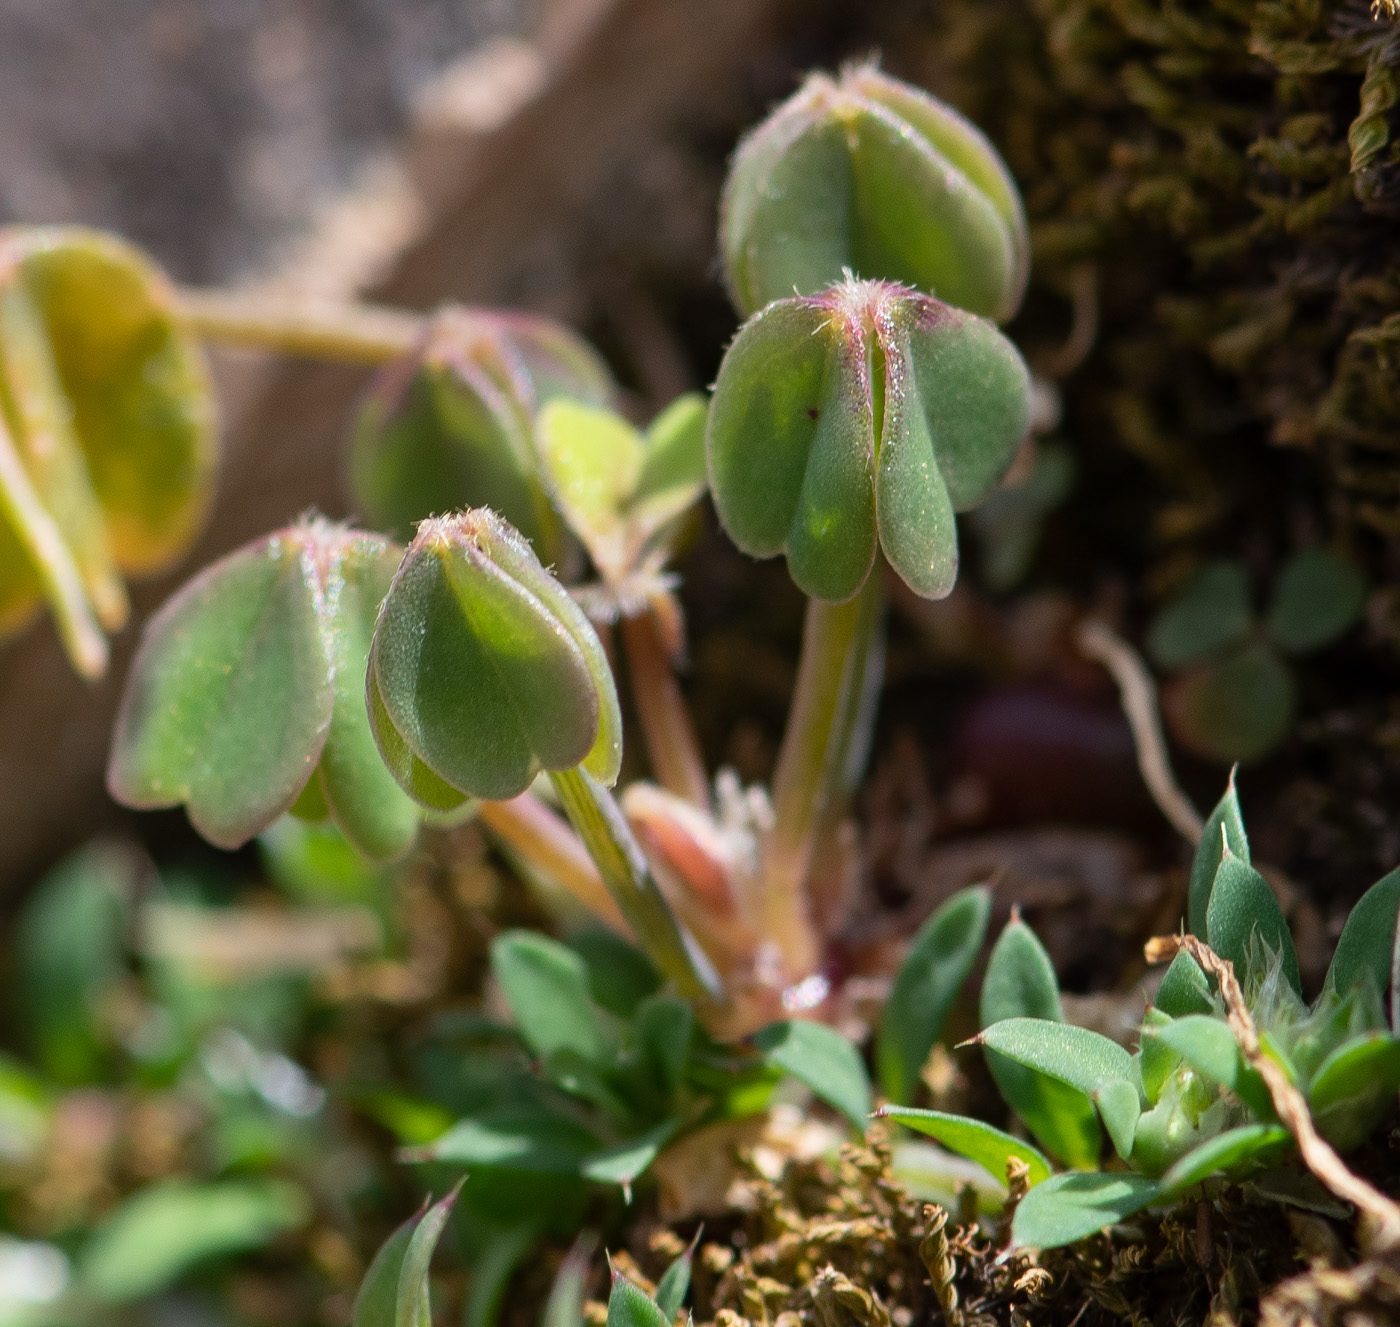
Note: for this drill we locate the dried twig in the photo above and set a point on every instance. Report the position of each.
(1317, 1153)
(1097, 640)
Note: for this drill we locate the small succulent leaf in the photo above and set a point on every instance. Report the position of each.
(411, 1306)
(1241, 904)
(435, 795)
(1354, 1087)
(546, 986)
(1224, 829)
(824, 1060)
(159, 1233)
(137, 384)
(929, 981)
(673, 472)
(1119, 1107)
(623, 1163)
(838, 178)
(1185, 989)
(968, 148)
(1317, 598)
(515, 1140)
(1208, 1046)
(674, 1285)
(564, 1307)
(1367, 943)
(1020, 983)
(1077, 1056)
(359, 791)
(1248, 1146)
(630, 1306)
(593, 459)
(479, 675)
(1156, 1060)
(664, 1026)
(1234, 709)
(1212, 613)
(377, 1298)
(1069, 1206)
(41, 425)
(230, 697)
(990, 1148)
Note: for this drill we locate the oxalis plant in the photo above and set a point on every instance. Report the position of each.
(458, 665)
(1233, 1071)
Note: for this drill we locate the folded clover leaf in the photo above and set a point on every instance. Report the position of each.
(484, 672)
(452, 425)
(861, 417)
(869, 174)
(247, 694)
(107, 443)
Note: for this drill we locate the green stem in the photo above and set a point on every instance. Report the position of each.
(360, 333)
(619, 859)
(831, 706)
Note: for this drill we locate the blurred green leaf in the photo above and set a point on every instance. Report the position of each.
(824, 1060)
(630, 1306)
(69, 951)
(159, 1233)
(1241, 905)
(940, 956)
(623, 1163)
(546, 986)
(1354, 1088)
(674, 1285)
(1317, 598)
(1008, 524)
(564, 1308)
(1250, 1145)
(1210, 614)
(1020, 983)
(317, 864)
(990, 1148)
(394, 1292)
(663, 1028)
(1236, 708)
(1067, 1207)
(620, 976)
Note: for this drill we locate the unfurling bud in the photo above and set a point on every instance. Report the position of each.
(107, 445)
(483, 671)
(868, 174)
(867, 414)
(247, 694)
(452, 425)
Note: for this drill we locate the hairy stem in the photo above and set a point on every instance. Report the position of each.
(58, 574)
(624, 869)
(360, 333)
(830, 710)
(546, 844)
(666, 723)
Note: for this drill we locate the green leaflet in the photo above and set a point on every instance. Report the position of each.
(824, 1060)
(1212, 613)
(1020, 982)
(873, 176)
(621, 489)
(865, 415)
(486, 671)
(929, 981)
(674, 1285)
(162, 1231)
(1224, 829)
(394, 1292)
(1069, 1206)
(1234, 708)
(1317, 597)
(990, 1148)
(546, 986)
(451, 425)
(1354, 1087)
(1367, 943)
(1247, 1147)
(1241, 904)
(250, 681)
